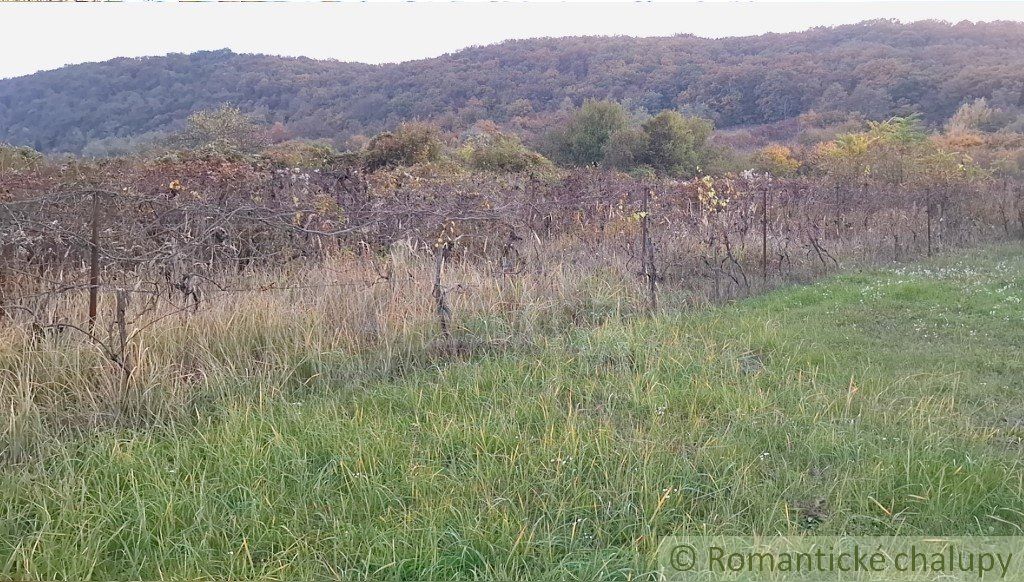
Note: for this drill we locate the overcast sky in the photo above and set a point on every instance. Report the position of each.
(44, 36)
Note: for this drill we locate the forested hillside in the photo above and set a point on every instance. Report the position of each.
(877, 68)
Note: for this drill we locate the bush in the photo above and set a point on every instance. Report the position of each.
(777, 160)
(500, 152)
(301, 154)
(18, 158)
(626, 149)
(411, 143)
(582, 141)
(225, 131)
(678, 145)
(978, 116)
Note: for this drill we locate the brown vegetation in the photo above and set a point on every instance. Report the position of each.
(140, 268)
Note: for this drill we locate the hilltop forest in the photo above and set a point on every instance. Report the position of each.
(877, 69)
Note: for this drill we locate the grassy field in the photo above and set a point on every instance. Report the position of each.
(889, 402)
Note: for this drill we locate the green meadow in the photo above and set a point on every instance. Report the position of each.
(885, 402)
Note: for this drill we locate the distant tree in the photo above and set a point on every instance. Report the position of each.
(278, 133)
(781, 95)
(519, 108)
(499, 152)
(473, 111)
(1009, 96)
(411, 143)
(844, 159)
(626, 149)
(696, 110)
(225, 129)
(977, 115)
(834, 98)
(581, 142)
(654, 101)
(1015, 124)
(678, 145)
(895, 144)
(879, 68)
(777, 160)
(899, 131)
(873, 103)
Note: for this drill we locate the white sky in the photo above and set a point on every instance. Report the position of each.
(43, 36)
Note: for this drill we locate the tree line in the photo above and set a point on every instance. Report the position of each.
(875, 70)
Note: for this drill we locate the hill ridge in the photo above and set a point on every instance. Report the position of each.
(879, 68)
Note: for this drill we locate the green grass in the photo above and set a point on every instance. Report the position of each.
(889, 402)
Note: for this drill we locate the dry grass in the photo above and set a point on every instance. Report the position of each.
(371, 317)
(354, 319)
(300, 434)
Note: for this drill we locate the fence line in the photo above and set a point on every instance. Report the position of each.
(710, 233)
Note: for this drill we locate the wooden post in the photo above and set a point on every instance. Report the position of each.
(444, 312)
(717, 268)
(647, 251)
(3, 296)
(838, 219)
(3, 283)
(121, 315)
(94, 260)
(509, 259)
(764, 234)
(1020, 210)
(928, 213)
(122, 318)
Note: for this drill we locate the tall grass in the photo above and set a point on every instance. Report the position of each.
(349, 320)
(300, 433)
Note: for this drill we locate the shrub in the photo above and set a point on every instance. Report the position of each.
(500, 152)
(582, 140)
(626, 149)
(411, 143)
(226, 131)
(777, 160)
(301, 153)
(678, 145)
(18, 158)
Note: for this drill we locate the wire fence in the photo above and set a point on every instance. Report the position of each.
(167, 240)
